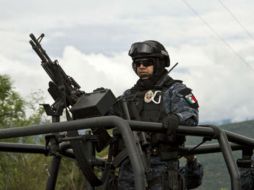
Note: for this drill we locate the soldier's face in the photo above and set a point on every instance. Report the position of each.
(145, 72)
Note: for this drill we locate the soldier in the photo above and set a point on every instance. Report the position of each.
(156, 97)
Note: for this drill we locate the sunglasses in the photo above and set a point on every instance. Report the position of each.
(144, 62)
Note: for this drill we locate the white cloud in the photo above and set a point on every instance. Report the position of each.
(221, 82)
(98, 70)
(27, 78)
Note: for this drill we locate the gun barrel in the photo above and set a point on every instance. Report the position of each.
(38, 48)
(32, 37)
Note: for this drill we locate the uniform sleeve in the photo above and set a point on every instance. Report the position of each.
(180, 100)
(193, 173)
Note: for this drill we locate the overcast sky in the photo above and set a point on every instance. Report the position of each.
(212, 40)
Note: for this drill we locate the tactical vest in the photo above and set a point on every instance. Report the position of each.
(145, 111)
(147, 105)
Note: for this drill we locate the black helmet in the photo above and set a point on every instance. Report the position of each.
(149, 48)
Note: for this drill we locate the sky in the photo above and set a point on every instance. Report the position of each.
(213, 42)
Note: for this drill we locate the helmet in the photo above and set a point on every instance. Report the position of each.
(149, 48)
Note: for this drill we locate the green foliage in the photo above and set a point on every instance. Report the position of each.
(11, 104)
(29, 171)
(23, 171)
(70, 177)
(19, 171)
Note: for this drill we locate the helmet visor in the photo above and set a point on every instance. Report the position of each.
(141, 48)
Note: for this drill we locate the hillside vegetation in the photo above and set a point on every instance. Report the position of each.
(216, 176)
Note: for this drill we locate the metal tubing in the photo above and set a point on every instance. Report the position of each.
(207, 148)
(230, 162)
(110, 121)
(157, 127)
(107, 121)
(23, 148)
(239, 139)
(190, 130)
(90, 123)
(53, 172)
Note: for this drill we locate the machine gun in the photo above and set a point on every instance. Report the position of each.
(66, 93)
(63, 88)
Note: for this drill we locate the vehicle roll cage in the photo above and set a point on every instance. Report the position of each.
(227, 142)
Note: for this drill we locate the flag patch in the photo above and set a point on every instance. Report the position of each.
(190, 98)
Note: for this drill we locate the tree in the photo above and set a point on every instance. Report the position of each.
(15, 169)
(11, 104)
(28, 171)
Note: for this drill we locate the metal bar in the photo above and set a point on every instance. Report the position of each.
(56, 160)
(23, 148)
(95, 122)
(89, 148)
(185, 130)
(138, 140)
(192, 131)
(53, 173)
(207, 148)
(230, 162)
(40, 149)
(239, 139)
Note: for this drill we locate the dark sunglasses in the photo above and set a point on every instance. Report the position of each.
(144, 62)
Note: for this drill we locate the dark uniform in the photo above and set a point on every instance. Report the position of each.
(160, 99)
(247, 178)
(247, 172)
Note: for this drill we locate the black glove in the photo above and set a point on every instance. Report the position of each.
(171, 123)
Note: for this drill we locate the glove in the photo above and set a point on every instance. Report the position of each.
(171, 123)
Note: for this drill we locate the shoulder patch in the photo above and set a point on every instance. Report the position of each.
(189, 97)
(185, 91)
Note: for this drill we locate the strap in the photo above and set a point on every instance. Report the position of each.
(103, 138)
(123, 155)
(165, 81)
